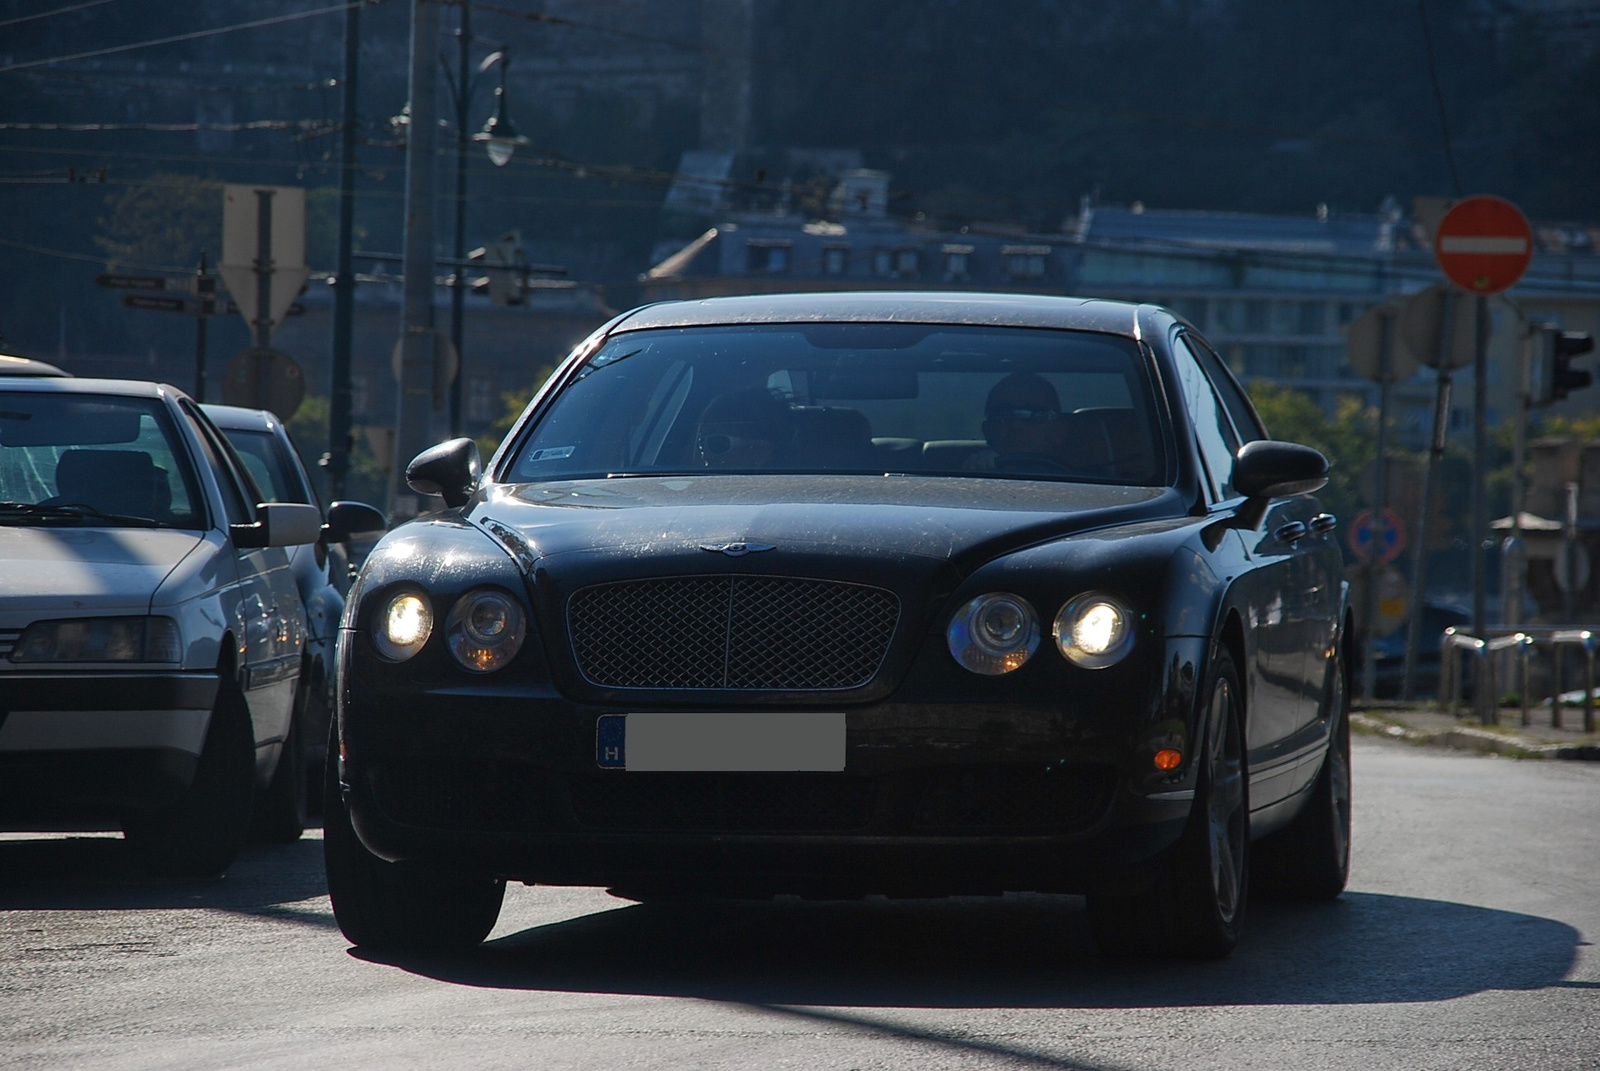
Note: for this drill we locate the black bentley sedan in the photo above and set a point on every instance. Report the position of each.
(849, 594)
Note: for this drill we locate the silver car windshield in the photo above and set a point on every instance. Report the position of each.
(853, 398)
(93, 460)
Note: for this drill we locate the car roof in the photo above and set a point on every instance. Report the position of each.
(239, 418)
(27, 366)
(132, 388)
(928, 307)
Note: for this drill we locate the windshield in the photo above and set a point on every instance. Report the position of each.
(853, 398)
(95, 460)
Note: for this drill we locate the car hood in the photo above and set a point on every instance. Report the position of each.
(88, 569)
(960, 521)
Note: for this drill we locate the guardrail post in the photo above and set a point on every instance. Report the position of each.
(1525, 682)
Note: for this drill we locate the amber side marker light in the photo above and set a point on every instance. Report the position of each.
(1168, 759)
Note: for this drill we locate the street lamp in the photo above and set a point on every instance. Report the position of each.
(499, 134)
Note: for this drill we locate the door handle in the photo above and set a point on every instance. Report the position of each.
(1324, 522)
(1292, 531)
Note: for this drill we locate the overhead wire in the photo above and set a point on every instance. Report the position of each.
(195, 35)
(57, 11)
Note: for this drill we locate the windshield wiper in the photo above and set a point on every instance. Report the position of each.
(72, 512)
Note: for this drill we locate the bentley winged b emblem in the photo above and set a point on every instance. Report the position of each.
(736, 550)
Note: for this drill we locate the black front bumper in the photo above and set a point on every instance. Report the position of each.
(934, 800)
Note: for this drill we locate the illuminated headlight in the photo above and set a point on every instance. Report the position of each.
(994, 634)
(484, 630)
(403, 625)
(1094, 631)
(100, 639)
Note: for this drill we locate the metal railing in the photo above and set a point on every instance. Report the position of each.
(1518, 647)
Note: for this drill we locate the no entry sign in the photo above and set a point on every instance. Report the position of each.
(1483, 244)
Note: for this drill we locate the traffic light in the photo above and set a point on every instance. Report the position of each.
(503, 278)
(1554, 350)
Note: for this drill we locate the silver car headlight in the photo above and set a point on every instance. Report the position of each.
(403, 624)
(484, 630)
(994, 634)
(1094, 631)
(100, 639)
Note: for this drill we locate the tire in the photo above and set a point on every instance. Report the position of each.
(1195, 906)
(200, 833)
(1309, 859)
(400, 907)
(280, 816)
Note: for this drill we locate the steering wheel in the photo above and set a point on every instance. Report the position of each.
(1036, 463)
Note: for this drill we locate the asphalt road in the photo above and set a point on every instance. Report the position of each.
(1464, 942)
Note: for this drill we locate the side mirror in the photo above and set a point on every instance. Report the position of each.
(346, 518)
(279, 524)
(1271, 469)
(450, 470)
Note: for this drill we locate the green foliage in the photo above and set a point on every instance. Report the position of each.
(163, 222)
(512, 404)
(367, 479)
(1348, 439)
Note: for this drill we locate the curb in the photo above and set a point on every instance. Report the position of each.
(1466, 738)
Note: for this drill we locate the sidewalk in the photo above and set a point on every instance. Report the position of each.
(1423, 723)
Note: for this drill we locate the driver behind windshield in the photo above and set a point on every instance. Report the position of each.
(1023, 426)
(743, 429)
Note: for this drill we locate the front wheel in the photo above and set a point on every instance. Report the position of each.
(1196, 904)
(200, 833)
(397, 906)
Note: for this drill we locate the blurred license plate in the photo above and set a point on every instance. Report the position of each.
(685, 742)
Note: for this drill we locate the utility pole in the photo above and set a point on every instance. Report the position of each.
(457, 290)
(414, 404)
(337, 460)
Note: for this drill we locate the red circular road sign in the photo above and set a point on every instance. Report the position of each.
(1377, 536)
(1483, 244)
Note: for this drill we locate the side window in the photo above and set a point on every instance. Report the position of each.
(238, 510)
(1217, 441)
(1234, 401)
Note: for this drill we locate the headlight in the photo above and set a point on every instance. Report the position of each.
(100, 639)
(484, 630)
(1094, 631)
(404, 623)
(994, 634)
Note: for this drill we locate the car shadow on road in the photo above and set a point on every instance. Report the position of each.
(1028, 951)
(99, 873)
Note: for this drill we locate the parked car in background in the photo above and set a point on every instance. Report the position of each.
(851, 594)
(321, 572)
(151, 634)
(27, 366)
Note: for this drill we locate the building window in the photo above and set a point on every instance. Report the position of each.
(895, 263)
(480, 400)
(835, 259)
(955, 262)
(766, 258)
(1309, 318)
(1025, 261)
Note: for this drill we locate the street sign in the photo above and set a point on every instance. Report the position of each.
(156, 303)
(1377, 536)
(262, 378)
(1422, 323)
(286, 260)
(1364, 347)
(1392, 607)
(1483, 244)
(114, 281)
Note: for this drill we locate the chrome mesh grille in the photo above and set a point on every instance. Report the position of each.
(739, 632)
